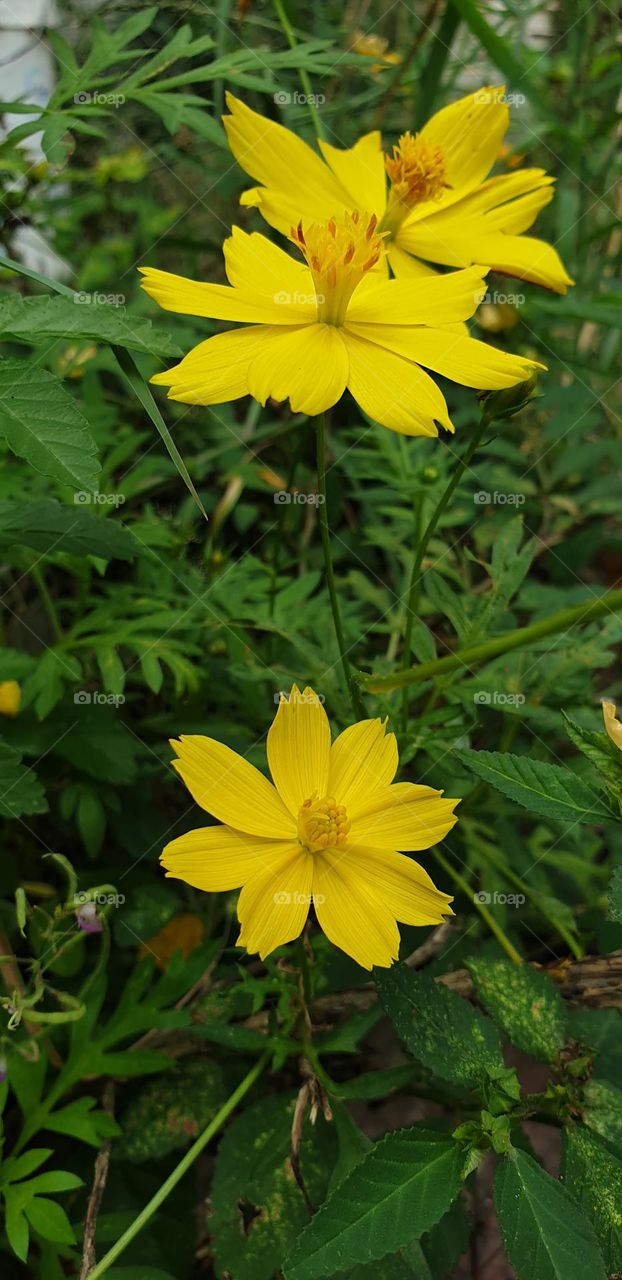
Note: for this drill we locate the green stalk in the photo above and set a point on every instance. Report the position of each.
(355, 697)
(420, 550)
(305, 81)
(500, 935)
(564, 619)
(180, 1169)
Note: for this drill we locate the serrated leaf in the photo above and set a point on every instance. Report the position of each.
(593, 1176)
(544, 1232)
(445, 1033)
(258, 1209)
(615, 896)
(170, 1110)
(20, 790)
(83, 316)
(52, 526)
(524, 1003)
(602, 1111)
(546, 789)
(42, 423)
(405, 1185)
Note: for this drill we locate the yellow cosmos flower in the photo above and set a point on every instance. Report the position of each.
(439, 207)
(10, 698)
(326, 830)
(330, 322)
(613, 727)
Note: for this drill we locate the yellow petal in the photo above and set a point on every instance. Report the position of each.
(510, 201)
(612, 725)
(469, 132)
(299, 749)
(464, 360)
(407, 817)
(220, 302)
(353, 917)
(440, 300)
(227, 786)
(280, 160)
(217, 858)
(274, 904)
(400, 884)
(523, 257)
(255, 265)
(306, 365)
(363, 759)
(404, 265)
(391, 390)
(216, 370)
(360, 170)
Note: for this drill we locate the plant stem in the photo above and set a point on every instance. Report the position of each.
(502, 939)
(50, 607)
(355, 697)
(180, 1169)
(420, 550)
(288, 32)
(611, 602)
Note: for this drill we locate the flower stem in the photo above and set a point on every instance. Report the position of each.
(564, 619)
(421, 547)
(305, 81)
(459, 880)
(180, 1169)
(355, 697)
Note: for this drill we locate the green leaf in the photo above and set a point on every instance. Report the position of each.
(83, 316)
(603, 1111)
(443, 1031)
(41, 423)
(545, 1234)
(398, 1191)
(546, 789)
(171, 1110)
(52, 526)
(50, 1220)
(20, 790)
(615, 896)
(593, 1176)
(600, 750)
(258, 1208)
(81, 1119)
(15, 1223)
(524, 1003)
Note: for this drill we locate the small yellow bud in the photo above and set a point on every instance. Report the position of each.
(10, 697)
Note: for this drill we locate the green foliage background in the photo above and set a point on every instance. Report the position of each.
(128, 618)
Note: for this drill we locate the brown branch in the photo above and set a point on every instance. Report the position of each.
(100, 1177)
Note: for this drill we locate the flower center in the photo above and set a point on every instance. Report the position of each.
(417, 172)
(338, 253)
(322, 824)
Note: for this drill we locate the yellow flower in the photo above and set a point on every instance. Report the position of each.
(325, 831)
(10, 698)
(440, 207)
(331, 322)
(612, 725)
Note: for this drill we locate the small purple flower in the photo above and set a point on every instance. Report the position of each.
(88, 919)
(3, 1069)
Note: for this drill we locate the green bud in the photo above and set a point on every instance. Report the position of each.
(509, 401)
